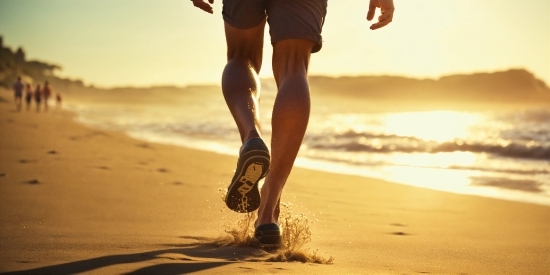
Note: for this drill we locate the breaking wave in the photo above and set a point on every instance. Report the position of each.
(380, 143)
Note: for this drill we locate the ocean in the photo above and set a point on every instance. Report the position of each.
(503, 154)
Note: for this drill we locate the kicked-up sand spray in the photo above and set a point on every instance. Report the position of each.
(295, 230)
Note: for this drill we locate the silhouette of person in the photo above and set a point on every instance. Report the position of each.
(38, 97)
(18, 87)
(58, 99)
(28, 96)
(295, 31)
(46, 93)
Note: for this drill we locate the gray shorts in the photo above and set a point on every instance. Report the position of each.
(287, 19)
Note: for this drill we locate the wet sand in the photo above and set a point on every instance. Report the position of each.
(79, 200)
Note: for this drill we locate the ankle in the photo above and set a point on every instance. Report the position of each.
(252, 134)
(266, 217)
(260, 222)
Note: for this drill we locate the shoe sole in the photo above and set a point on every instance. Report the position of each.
(243, 195)
(268, 238)
(273, 241)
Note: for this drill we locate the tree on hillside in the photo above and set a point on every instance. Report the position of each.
(14, 64)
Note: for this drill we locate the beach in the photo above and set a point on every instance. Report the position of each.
(77, 199)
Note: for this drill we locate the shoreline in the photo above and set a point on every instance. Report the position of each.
(507, 193)
(75, 199)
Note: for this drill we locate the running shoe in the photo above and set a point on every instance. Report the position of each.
(243, 195)
(269, 236)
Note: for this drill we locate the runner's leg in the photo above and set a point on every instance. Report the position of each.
(289, 120)
(240, 80)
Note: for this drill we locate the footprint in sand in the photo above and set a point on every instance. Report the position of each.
(400, 233)
(145, 146)
(33, 181)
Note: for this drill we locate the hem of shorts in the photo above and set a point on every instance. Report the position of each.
(239, 25)
(316, 38)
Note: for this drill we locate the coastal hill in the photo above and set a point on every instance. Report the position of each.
(515, 87)
(512, 87)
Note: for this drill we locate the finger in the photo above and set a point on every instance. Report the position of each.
(370, 13)
(203, 6)
(207, 9)
(383, 20)
(384, 16)
(380, 24)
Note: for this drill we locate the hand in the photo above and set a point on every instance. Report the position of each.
(386, 8)
(203, 5)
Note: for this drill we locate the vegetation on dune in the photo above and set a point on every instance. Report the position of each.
(15, 63)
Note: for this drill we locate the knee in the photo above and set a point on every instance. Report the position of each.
(245, 56)
(245, 44)
(291, 58)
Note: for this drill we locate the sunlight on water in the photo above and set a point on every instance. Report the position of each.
(440, 160)
(470, 153)
(435, 125)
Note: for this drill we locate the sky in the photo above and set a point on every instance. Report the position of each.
(109, 43)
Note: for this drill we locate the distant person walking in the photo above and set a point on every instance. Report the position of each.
(46, 92)
(295, 30)
(18, 87)
(58, 99)
(38, 97)
(28, 96)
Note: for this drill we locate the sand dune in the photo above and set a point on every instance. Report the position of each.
(80, 200)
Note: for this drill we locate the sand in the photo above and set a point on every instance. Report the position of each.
(75, 199)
